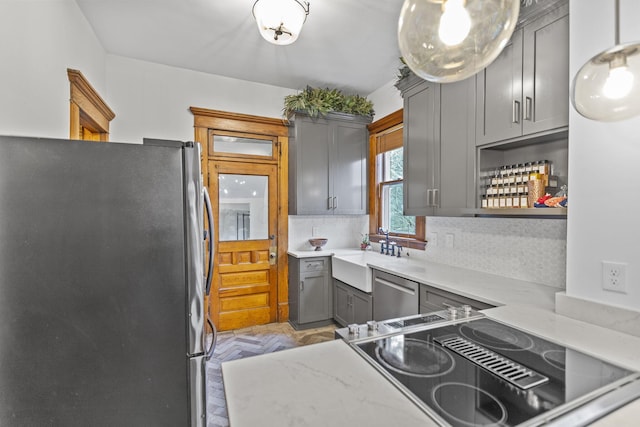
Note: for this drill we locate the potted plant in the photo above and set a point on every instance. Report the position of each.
(317, 101)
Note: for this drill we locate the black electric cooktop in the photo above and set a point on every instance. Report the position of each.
(484, 373)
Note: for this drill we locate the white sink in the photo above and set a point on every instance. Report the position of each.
(352, 270)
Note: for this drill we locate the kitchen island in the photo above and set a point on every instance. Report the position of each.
(329, 384)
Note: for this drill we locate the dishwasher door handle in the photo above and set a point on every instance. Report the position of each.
(400, 288)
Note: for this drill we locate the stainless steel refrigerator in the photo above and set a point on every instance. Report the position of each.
(102, 319)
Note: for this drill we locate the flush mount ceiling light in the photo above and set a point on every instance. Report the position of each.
(607, 87)
(449, 40)
(280, 21)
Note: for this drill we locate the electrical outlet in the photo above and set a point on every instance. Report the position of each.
(448, 240)
(614, 276)
(314, 231)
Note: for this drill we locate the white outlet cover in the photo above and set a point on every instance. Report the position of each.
(614, 276)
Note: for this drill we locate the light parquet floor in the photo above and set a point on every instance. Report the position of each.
(247, 342)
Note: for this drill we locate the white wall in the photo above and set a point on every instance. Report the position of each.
(386, 100)
(152, 100)
(39, 40)
(604, 188)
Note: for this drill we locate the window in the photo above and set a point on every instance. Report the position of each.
(386, 187)
(391, 198)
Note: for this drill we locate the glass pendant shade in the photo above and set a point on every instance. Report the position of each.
(280, 21)
(607, 87)
(449, 40)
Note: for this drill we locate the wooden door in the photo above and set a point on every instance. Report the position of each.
(245, 207)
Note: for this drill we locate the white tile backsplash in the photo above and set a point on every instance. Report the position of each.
(343, 231)
(534, 250)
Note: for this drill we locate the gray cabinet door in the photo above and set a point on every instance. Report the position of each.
(362, 306)
(421, 145)
(341, 306)
(314, 297)
(499, 98)
(328, 165)
(348, 177)
(457, 148)
(546, 72)
(312, 177)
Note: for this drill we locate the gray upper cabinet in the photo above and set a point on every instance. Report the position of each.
(526, 89)
(457, 148)
(439, 144)
(328, 165)
(421, 143)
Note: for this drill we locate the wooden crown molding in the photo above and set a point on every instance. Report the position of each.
(216, 119)
(386, 122)
(81, 88)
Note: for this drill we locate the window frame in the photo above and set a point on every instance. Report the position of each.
(387, 125)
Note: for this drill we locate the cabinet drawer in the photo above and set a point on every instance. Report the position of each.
(314, 264)
(432, 297)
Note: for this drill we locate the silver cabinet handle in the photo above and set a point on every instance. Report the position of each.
(301, 285)
(528, 103)
(335, 202)
(436, 197)
(330, 203)
(429, 195)
(516, 112)
(396, 286)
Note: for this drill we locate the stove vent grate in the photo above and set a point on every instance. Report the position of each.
(504, 368)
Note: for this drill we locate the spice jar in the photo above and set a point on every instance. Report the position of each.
(535, 186)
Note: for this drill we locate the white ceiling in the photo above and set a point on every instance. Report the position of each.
(345, 44)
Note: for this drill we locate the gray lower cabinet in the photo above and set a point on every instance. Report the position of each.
(526, 89)
(351, 305)
(439, 146)
(328, 164)
(310, 292)
(434, 299)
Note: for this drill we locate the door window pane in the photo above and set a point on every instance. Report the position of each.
(240, 145)
(243, 202)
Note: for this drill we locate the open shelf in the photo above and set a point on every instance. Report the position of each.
(515, 213)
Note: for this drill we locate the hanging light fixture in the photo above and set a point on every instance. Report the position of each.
(280, 21)
(449, 40)
(607, 87)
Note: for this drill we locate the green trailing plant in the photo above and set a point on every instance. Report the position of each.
(316, 101)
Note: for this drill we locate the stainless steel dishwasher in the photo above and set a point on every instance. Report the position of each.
(394, 296)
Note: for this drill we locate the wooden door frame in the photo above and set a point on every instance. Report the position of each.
(206, 120)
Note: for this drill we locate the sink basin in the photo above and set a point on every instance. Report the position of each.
(352, 270)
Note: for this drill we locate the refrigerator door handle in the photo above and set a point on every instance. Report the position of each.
(207, 204)
(213, 341)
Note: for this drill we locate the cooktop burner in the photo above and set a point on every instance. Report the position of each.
(447, 398)
(414, 357)
(496, 336)
(478, 372)
(555, 358)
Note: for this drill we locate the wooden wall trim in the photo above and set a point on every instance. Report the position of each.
(83, 94)
(215, 119)
(386, 122)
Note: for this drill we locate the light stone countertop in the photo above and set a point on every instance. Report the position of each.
(319, 385)
(329, 384)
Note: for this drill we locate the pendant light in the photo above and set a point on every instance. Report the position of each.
(607, 87)
(449, 40)
(280, 21)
